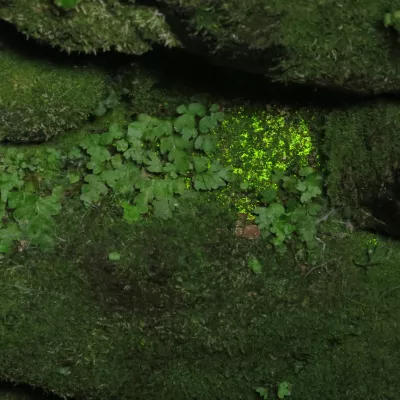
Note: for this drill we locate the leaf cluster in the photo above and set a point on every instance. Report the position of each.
(26, 212)
(290, 209)
(151, 162)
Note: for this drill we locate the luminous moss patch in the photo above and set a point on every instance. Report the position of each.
(254, 143)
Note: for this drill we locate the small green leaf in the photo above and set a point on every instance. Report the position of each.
(153, 163)
(269, 194)
(163, 207)
(116, 161)
(114, 133)
(313, 209)
(186, 122)
(200, 164)
(181, 109)
(75, 153)
(73, 178)
(214, 108)
(121, 145)
(244, 185)
(305, 171)
(277, 176)
(100, 110)
(302, 186)
(92, 191)
(197, 109)
(255, 265)
(284, 389)
(207, 123)
(114, 256)
(67, 4)
(131, 213)
(205, 143)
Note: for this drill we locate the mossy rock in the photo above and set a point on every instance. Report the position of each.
(182, 316)
(362, 146)
(91, 26)
(343, 46)
(40, 99)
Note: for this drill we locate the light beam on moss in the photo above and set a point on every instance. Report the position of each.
(255, 143)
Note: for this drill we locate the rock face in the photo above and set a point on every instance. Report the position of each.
(362, 144)
(331, 44)
(40, 98)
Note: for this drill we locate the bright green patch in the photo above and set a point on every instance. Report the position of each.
(255, 143)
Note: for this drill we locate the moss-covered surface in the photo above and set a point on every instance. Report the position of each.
(182, 316)
(320, 42)
(362, 145)
(40, 98)
(91, 26)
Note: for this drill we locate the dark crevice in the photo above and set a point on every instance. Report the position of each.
(24, 391)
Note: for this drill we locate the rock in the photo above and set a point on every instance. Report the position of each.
(39, 98)
(91, 26)
(362, 145)
(245, 229)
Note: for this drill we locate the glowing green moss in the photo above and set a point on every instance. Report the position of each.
(254, 143)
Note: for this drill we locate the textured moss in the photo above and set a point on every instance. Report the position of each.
(362, 144)
(91, 26)
(181, 316)
(319, 42)
(40, 99)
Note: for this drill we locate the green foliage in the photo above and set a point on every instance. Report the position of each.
(111, 101)
(67, 4)
(284, 389)
(263, 392)
(114, 256)
(290, 212)
(34, 215)
(255, 265)
(144, 168)
(151, 163)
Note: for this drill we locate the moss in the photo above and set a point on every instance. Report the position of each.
(181, 315)
(255, 142)
(324, 43)
(40, 99)
(362, 144)
(92, 26)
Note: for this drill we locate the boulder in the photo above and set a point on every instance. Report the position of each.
(91, 26)
(362, 145)
(330, 44)
(40, 98)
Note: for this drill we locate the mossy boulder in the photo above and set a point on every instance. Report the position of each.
(91, 26)
(343, 46)
(323, 43)
(362, 144)
(40, 98)
(182, 316)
